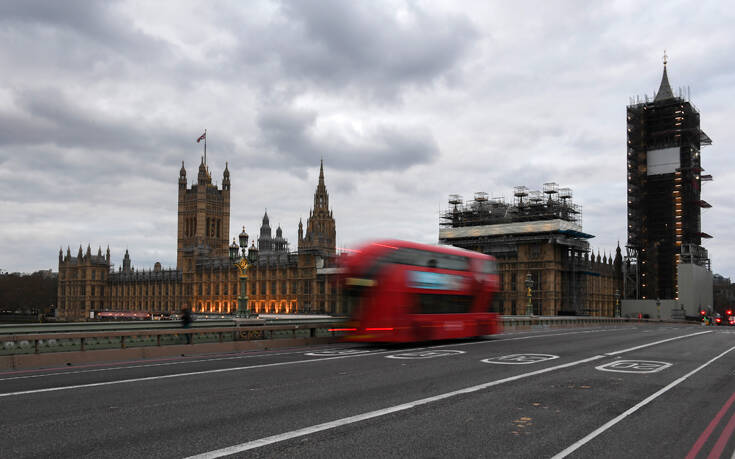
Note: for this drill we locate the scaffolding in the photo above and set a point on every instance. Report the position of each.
(534, 218)
(528, 205)
(664, 201)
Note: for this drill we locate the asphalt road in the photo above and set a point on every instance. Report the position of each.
(645, 391)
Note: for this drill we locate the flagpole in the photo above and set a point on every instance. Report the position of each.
(205, 147)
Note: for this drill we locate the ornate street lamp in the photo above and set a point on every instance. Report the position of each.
(617, 303)
(529, 286)
(241, 262)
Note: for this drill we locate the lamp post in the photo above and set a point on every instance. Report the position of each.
(529, 286)
(241, 262)
(617, 303)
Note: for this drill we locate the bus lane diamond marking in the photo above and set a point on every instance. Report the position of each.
(330, 352)
(424, 354)
(520, 359)
(634, 366)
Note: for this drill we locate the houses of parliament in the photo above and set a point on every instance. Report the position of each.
(205, 280)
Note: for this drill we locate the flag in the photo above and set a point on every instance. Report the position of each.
(202, 137)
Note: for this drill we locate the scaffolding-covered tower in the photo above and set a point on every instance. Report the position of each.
(664, 192)
(538, 233)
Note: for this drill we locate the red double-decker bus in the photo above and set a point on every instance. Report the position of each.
(399, 291)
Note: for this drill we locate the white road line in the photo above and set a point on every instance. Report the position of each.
(654, 343)
(150, 378)
(575, 446)
(374, 414)
(526, 337)
(215, 359)
(178, 375)
(147, 365)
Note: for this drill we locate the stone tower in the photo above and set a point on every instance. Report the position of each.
(321, 234)
(204, 218)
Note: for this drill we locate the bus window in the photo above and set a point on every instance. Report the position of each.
(414, 257)
(429, 303)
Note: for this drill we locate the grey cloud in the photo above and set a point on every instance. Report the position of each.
(291, 134)
(91, 24)
(49, 117)
(362, 47)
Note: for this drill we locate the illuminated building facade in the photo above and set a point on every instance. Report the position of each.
(304, 281)
(205, 280)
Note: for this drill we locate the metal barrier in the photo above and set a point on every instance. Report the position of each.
(248, 330)
(31, 343)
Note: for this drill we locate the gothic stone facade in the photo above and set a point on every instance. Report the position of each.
(305, 280)
(204, 279)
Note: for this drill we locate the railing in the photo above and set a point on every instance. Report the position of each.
(249, 330)
(15, 329)
(32, 343)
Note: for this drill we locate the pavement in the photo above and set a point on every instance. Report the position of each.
(625, 391)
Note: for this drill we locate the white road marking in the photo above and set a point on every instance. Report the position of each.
(178, 375)
(539, 335)
(425, 354)
(223, 370)
(330, 352)
(634, 366)
(147, 365)
(578, 444)
(520, 359)
(201, 360)
(655, 343)
(374, 414)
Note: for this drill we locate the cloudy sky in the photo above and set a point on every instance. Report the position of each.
(406, 101)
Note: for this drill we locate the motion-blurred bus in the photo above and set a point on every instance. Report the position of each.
(397, 291)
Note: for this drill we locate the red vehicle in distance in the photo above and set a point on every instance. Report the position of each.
(397, 291)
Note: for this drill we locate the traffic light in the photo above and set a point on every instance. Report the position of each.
(702, 312)
(728, 312)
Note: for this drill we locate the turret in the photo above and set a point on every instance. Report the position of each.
(126, 261)
(182, 177)
(301, 231)
(203, 176)
(226, 178)
(107, 255)
(61, 255)
(79, 254)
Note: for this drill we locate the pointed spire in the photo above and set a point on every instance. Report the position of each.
(664, 90)
(321, 171)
